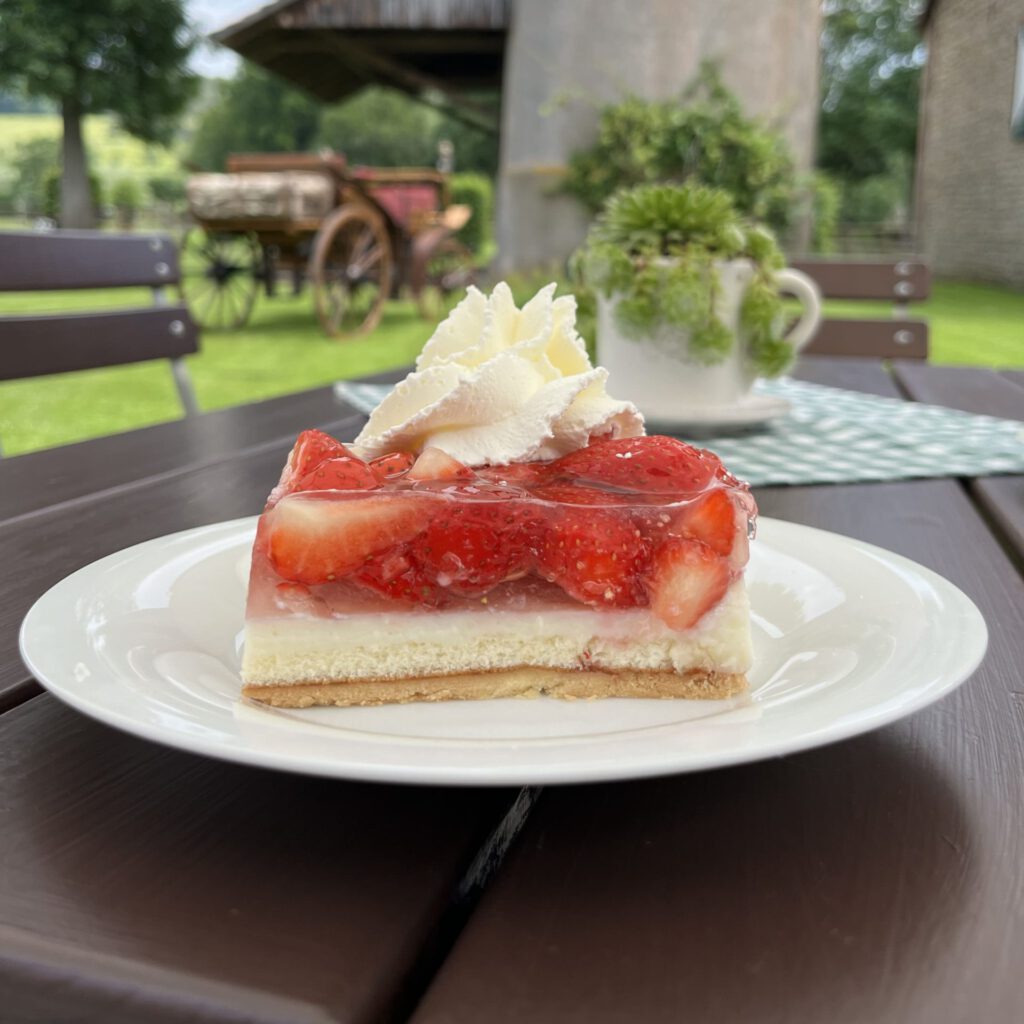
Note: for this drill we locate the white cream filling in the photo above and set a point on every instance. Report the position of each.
(410, 644)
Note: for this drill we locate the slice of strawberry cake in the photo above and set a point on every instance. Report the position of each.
(501, 527)
(614, 570)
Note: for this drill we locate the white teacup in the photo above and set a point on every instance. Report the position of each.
(658, 373)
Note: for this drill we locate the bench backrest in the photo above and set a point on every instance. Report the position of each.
(898, 281)
(32, 346)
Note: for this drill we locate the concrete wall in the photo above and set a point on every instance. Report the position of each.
(566, 58)
(970, 184)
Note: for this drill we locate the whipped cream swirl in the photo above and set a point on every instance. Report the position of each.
(496, 384)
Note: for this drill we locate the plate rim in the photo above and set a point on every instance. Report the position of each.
(970, 658)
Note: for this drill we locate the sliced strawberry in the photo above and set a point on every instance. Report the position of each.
(310, 449)
(470, 547)
(711, 519)
(342, 473)
(576, 494)
(595, 555)
(396, 576)
(313, 539)
(434, 464)
(687, 581)
(388, 467)
(640, 464)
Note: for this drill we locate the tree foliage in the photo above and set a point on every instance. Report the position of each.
(703, 136)
(126, 57)
(872, 56)
(379, 127)
(254, 112)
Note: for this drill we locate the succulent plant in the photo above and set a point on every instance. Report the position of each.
(654, 247)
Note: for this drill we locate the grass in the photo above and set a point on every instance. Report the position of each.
(282, 350)
(113, 153)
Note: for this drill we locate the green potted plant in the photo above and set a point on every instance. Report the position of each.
(689, 299)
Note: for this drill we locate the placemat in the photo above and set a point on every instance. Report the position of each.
(832, 435)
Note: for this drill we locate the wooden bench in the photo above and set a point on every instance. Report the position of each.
(39, 345)
(901, 282)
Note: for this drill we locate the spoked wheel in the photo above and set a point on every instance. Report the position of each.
(220, 276)
(350, 270)
(450, 270)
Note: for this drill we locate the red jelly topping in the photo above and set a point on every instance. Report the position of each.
(633, 522)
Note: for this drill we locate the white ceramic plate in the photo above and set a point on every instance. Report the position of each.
(750, 412)
(848, 637)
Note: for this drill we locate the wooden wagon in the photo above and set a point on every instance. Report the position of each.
(358, 235)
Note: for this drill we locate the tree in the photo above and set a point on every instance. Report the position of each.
(382, 127)
(871, 66)
(259, 112)
(253, 112)
(126, 57)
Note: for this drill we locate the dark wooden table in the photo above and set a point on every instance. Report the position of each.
(877, 880)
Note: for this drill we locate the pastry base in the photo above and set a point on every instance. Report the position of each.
(567, 684)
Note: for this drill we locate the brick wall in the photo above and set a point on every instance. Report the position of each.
(971, 171)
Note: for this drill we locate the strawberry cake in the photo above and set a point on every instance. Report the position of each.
(469, 545)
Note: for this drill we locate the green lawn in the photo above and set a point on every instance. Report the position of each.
(282, 350)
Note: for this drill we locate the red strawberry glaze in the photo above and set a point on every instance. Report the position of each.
(636, 522)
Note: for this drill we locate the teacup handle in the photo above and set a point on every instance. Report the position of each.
(803, 288)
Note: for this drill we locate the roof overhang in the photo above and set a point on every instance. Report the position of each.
(332, 48)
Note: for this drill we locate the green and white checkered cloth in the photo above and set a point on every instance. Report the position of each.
(835, 436)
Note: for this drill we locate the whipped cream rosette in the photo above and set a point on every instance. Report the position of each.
(496, 384)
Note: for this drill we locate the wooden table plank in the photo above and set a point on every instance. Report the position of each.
(39, 550)
(968, 388)
(145, 884)
(988, 393)
(42, 479)
(867, 375)
(875, 880)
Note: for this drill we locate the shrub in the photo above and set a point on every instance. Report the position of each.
(167, 188)
(654, 248)
(126, 194)
(874, 201)
(702, 137)
(31, 163)
(477, 192)
(825, 201)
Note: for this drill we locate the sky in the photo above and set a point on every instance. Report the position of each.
(209, 15)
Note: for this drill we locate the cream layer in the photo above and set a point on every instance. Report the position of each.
(397, 645)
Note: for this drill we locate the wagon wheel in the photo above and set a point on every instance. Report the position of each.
(450, 269)
(220, 275)
(350, 270)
